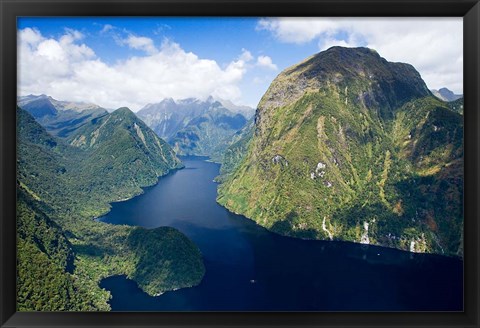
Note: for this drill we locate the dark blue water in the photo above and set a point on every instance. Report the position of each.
(251, 269)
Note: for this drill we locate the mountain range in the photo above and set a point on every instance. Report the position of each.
(59, 118)
(348, 146)
(196, 127)
(191, 126)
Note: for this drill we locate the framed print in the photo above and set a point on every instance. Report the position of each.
(214, 163)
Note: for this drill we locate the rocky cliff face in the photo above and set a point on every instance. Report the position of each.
(349, 146)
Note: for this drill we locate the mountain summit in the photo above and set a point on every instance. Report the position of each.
(356, 73)
(349, 146)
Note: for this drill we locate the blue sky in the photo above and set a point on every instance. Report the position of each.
(116, 61)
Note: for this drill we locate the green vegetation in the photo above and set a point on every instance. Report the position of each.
(166, 259)
(456, 105)
(234, 154)
(123, 155)
(63, 253)
(45, 265)
(350, 145)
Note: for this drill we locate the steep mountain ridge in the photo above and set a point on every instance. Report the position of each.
(125, 150)
(349, 146)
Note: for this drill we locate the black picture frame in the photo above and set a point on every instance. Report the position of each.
(10, 9)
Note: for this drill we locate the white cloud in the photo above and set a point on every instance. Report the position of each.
(51, 49)
(69, 70)
(237, 69)
(433, 45)
(44, 60)
(328, 42)
(30, 36)
(161, 28)
(297, 30)
(71, 35)
(266, 61)
(106, 28)
(140, 43)
(246, 55)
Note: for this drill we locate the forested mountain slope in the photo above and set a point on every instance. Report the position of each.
(63, 253)
(349, 146)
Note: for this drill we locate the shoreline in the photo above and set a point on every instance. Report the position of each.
(397, 258)
(340, 240)
(126, 277)
(98, 219)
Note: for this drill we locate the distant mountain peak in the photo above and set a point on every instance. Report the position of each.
(123, 110)
(170, 104)
(445, 94)
(246, 111)
(59, 105)
(58, 117)
(168, 100)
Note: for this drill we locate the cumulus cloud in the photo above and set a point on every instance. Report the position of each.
(266, 61)
(246, 55)
(140, 43)
(67, 69)
(30, 36)
(297, 30)
(433, 45)
(236, 69)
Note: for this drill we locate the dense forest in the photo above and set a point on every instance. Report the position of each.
(63, 184)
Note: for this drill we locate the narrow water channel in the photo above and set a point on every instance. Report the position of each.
(251, 269)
